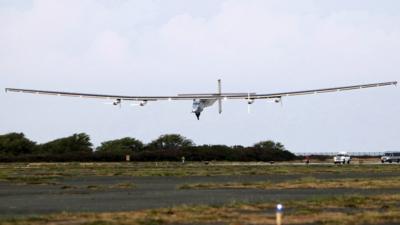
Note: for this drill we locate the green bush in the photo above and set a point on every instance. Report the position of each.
(15, 144)
(77, 143)
(170, 142)
(15, 147)
(124, 146)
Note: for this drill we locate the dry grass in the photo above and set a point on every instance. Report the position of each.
(123, 186)
(94, 187)
(27, 172)
(305, 183)
(350, 210)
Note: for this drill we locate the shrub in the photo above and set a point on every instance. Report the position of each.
(77, 143)
(121, 146)
(170, 142)
(15, 144)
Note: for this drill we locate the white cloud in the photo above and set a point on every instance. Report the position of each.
(109, 47)
(154, 47)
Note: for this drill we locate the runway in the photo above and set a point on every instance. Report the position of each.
(102, 194)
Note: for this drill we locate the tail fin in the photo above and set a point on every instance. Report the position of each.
(219, 99)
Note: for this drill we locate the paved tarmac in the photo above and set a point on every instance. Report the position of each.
(96, 194)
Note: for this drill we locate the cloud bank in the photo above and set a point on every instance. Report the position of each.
(159, 47)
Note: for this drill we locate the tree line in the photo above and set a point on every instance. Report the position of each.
(15, 147)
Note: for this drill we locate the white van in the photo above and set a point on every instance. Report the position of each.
(342, 158)
(391, 157)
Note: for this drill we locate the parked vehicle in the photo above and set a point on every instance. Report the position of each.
(391, 157)
(342, 158)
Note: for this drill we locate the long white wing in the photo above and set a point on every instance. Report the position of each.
(99, 96)
(200, 96)
(308, 92)
(124, 97)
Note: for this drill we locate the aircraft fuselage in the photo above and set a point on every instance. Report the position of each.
(199, 105)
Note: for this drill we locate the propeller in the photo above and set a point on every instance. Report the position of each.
(142, 103)
(117, 102)
(279, 100)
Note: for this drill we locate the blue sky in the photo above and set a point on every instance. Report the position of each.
(171, 47)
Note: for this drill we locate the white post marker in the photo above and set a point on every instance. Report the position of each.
(279, 214)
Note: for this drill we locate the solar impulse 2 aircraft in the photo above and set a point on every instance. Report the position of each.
(201, 101)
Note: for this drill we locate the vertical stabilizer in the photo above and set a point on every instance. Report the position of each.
(219, 98)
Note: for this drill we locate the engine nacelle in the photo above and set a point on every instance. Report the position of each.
(278, 100)
(143, 103)
(117, 102)
(250, 101)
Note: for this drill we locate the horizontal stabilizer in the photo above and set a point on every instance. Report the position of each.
(216, 94)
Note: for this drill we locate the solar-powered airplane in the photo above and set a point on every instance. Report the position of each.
(201, 101)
